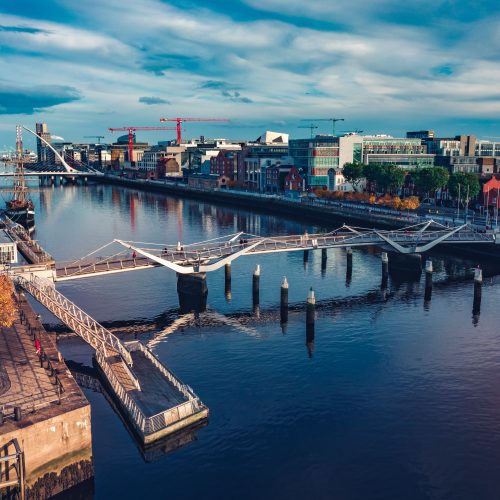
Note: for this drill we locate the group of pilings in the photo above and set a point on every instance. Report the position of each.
(53, 180)
(193, 291)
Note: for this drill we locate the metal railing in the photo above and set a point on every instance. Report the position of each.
(30, 248)
(12, 469)
(71, 315)
(138, 417)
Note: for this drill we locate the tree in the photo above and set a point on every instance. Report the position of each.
(389, 177)
(371, 172)
(7, 304)
(430, 179)
(463, 186)
(353, 173)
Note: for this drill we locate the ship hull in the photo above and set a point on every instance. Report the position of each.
(23, 216)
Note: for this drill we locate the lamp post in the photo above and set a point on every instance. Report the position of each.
(458, 203)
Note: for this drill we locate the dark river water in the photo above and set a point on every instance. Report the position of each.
(393, 398)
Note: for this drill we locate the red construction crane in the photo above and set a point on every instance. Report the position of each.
(131, 131)
(180, 120)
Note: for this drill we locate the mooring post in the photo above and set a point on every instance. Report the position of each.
(478, 285)
(310, 318)
(348, 273)
(256, 286)
(385, 269)
(306, 255)
(284, 303)
(428, 280)
(227, 281)
(324, 258)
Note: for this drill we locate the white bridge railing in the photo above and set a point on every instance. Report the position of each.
(69, 313)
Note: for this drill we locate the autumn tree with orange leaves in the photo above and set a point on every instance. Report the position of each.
(7, 304)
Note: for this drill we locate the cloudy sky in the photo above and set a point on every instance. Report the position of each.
(385, 66)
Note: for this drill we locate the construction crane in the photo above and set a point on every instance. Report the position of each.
(333, 120)
(181, 120)
(98, 137)
(312, 127)
(355, 131)
(131, 131)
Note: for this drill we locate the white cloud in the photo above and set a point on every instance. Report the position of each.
(150, 48)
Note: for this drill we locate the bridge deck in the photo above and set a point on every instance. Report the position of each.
(209, 256)
(156, 393)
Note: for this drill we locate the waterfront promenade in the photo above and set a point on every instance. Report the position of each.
(43, 411)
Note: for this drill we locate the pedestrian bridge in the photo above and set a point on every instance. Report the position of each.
(154, 401)
(207, 256)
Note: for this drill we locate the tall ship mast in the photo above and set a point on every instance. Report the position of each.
(20, 208)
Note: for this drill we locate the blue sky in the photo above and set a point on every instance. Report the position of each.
(384, 66)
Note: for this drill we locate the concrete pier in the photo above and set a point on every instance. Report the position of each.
(324, 258)
(43, 409)
(310, 319)
(284, 304)
(256, 284)
(227, 282)
(193, 292)
(428, 280)
(348, 272)
(385, 269)
(478, 285)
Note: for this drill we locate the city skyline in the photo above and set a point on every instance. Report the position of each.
(384, 68)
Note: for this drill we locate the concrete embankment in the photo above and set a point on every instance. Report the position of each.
(43, 410)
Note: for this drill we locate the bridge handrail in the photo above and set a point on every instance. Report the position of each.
(91, 331)
(139, 419)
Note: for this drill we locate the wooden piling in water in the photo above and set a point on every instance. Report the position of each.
(284, 302)
(428, 280)
(478, 285)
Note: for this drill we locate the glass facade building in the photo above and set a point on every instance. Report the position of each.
(316, 156)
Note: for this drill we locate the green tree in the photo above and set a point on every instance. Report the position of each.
(353, 173)
(430, 179)
(389, 177)
(463, 186)
(371, 173)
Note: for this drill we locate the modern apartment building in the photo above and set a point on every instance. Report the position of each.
(319, 154)
(403, 152)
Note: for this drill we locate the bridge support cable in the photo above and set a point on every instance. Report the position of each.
(70, 314)
(62, 160)
(192, 267)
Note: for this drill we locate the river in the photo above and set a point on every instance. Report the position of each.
(393, 398)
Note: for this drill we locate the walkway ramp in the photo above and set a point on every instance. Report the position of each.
(153, 400)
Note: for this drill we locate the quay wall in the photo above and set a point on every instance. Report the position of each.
(57, 451)
(55, 437)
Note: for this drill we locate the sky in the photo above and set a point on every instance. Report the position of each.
(385, 66)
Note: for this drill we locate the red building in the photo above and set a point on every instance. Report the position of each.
(491, 193)
(294, 181)
(225, 164)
